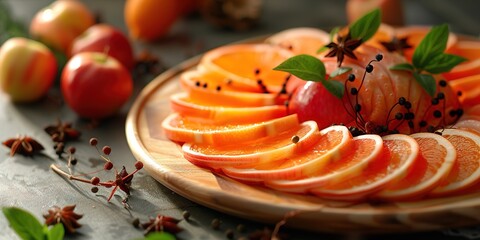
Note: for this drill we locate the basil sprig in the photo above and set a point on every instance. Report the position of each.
(429, 58)
(28, 227)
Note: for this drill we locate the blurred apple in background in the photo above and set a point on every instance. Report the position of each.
(58, 24)
(95, 85)
(392, 10)
(107, 39)
(27, 69)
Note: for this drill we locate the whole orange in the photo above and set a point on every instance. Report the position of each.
(150, 19)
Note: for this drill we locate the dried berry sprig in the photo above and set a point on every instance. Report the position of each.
(161, 223)
(66, 216)
(122, 179)
(24, 145)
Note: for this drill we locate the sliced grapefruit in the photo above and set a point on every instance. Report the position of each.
(215, 88)
(221, 114)
(302, 40)
(467, 49)
(463, 70)
(250, 153)
(398, 156)
(468, 86)
(466, 170)
(185, 129)
(472, 125)
(364, 150)
(245, 65)
(436, 159)
(334, 143)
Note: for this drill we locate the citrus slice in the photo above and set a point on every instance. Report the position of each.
(302, 40)
(466, 170)
(184, 129)
(249, 153)
(467, 49)
(472, 125)
(334, 143)
(399, 153)
(364, 149)
(247, 65)
(436, 159)
(215, 88)
(463, 70)
(468, 87)
(220, 114)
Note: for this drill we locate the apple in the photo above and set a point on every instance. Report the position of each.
(27, 69)
(58, 24)
(95, 85)
(313, 101)
(107, 39)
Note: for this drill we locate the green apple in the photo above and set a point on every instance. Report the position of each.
(27, 69)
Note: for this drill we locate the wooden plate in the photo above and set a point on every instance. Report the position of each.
(164, 161)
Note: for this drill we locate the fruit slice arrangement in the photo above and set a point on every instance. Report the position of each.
(389, 137)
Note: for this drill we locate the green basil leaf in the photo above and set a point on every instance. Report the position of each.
(443, 63)
(339, 71)
(334, 87)
(160, 236)
(322, 49)
(365, 27)
(427, 82)
(24, 223)
(56, 232)
(333, 33)
(432, 45)
(304, 66)
(403, 67)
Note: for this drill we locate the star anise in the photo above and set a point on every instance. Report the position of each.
(396, 45)
(65, 215)
(345, 47)
(62, 131)
(162, 223)
(147, 63)
(24, 145)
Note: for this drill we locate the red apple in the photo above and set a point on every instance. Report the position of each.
(314, 102)
(392, 10)
(58, 24)
(107, 39)
(95, 85)
(27, 69)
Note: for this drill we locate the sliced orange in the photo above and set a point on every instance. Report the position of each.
(220, 114)
(472, 125)
(398, 156)
(247, 64)
(468, 86)
(250, 153)
(385, 33)
(184, 129)
(467, 49)
(334, 143)
(302, 40)
(436, 159)
(364, 149)
(463, 70)
(215, 88)
(466, 170)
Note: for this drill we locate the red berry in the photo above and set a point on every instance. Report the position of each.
(107, 150)
(95, 180)
(93, 141)
(108, 165)
(138, 165)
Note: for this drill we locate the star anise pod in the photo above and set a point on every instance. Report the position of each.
(345, 47)
(162, 223)
(24, 145)
(62, 131)
(396, 45)
(65, 215)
